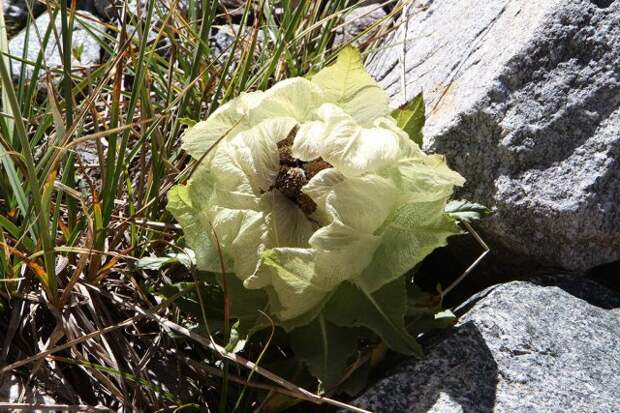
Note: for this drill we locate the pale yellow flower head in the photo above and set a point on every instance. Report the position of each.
(309, 184)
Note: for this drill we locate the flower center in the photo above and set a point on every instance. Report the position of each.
(294, 174)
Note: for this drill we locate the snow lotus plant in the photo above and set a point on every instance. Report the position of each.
(311, 196)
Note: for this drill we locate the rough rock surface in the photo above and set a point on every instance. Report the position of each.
(520, 347)
(523, 97)
(233, 7)
(16, 13)
(356, 22)
(86, 49)
(106, 9)
(223, 39)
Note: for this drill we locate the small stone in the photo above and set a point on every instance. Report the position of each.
(224, 37)
(86, 50)
(16, 13)
(357, 21)
(107, 9)
(233, 7)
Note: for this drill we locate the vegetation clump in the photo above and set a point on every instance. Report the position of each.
(302, 204)
(311, 193)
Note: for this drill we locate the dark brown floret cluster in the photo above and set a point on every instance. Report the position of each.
(294, 174)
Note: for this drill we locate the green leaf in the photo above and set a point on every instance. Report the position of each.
(197, 236)
(153, 263)
(421, 303)
(305, 318)
(187, 122)
(15, 232)
(430, 322)
(411, 233)
(77, 51)
(383, 312)
(424, 312)
(347, 84)
(185, 258)
(291, 271)
(245, 305)
(325, 348)
(237, 338)
(189, 302)
(248, 307)
(466, 211)
(357, 381)
(410, 118)
(5, 158)
(444, 319)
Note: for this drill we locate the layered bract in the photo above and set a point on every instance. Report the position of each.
(377, 202)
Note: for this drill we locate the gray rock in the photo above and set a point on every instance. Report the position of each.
(236, 8)
(233, 7)
(161, 8)
(222, 40)
(356, 22)
(111, 9)
(520, 347)
(523, 98)
(106, 9)
(86, 49)
(16, 13)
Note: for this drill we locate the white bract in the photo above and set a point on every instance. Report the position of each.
(308, 185)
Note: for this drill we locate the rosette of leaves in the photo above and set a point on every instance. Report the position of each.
(311, 196)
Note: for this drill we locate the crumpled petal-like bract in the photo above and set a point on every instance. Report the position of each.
(373, 210)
